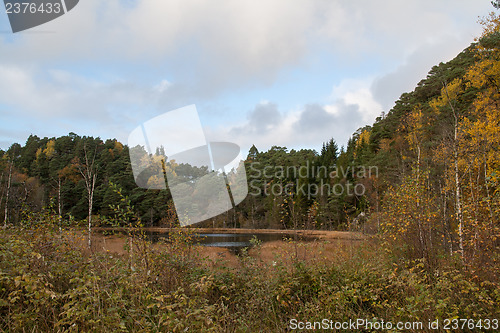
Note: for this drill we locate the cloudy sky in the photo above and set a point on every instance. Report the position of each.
(274, 72)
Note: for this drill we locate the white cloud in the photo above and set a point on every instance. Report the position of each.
(388, 87)
(56, 102)
(395, 28)
(352, 106)
(356, 92)
(208, 49)
(162, 86)
(206, 43)
(217, 44)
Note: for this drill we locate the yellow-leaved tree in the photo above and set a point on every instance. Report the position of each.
(472, 154)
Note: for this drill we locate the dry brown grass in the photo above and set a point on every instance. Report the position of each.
(329, 247)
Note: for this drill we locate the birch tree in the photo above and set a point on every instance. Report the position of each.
(9, 183)
(89, 174)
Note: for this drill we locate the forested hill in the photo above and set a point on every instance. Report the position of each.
(427, 170)
(388, 145)
(439, 157)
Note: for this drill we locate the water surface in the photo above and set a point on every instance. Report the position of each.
(234, 241)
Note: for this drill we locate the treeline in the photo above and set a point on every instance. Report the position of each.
(306, 189)
(57, 173)
(70, 174)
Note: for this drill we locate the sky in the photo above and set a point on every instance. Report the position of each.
(274, 72)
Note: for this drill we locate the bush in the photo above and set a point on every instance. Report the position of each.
(48, 284)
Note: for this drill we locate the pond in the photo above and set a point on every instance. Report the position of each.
(233, 241)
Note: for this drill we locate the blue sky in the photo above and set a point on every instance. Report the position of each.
(267, 73)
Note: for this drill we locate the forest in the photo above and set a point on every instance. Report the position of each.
(423, 182)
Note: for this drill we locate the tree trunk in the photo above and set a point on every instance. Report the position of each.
(458, 202)
(475, 204)
(1, 189)
(419, 219)
(90, 219)
(59, 204)
(488, 201)
(89, 174)
(6, 217)
(446, 225)
(91, 202)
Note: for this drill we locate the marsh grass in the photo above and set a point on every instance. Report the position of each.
(50, 283)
